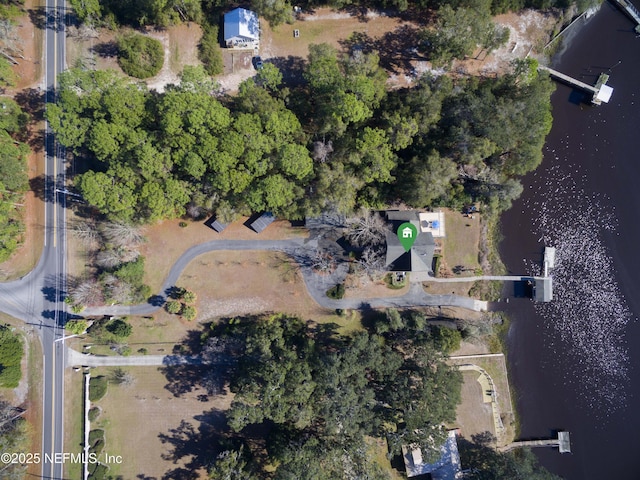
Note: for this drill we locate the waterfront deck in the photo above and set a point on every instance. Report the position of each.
(601, 92)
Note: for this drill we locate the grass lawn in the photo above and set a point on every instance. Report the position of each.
(471, 411)
(166, 241)
(154, 431)
(249, 282)
(461, 246)
(73, 419)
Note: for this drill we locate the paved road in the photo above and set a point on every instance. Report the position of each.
(50, 274)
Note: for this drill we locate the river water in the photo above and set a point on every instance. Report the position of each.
(575, 362)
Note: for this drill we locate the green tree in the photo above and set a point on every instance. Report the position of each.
(15, 437)
(275, 12)
(76, 327)
(11, 350)
(120, 328)
(189, 312)
(189, 296)
(7, 75)
(209, 51)
(173, 306)
(140, 56)
(232, 465)
(427, 179)
(88, 11)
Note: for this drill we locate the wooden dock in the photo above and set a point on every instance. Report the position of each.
(601, 92)
(630, 10)
(562, 442)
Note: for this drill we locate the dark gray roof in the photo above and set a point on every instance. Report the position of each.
(402, 215)
(418, 259)
(262, 222)
(215, 224)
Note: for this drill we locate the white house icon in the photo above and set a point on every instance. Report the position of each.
(407, 232)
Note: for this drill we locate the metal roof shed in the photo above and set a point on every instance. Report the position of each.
(262, 222)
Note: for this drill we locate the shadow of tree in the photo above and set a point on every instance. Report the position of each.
(106, 49)
(291, 68)
(32, 101)
(397, 49)
(43, 17)
(197, 447)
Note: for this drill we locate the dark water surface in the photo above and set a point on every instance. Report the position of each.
(575, 363)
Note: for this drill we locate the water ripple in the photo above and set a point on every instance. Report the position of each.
(589, 313)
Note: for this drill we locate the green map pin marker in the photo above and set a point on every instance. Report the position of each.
(407, 234)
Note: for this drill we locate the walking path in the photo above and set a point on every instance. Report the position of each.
(76, 359)
(301, 250)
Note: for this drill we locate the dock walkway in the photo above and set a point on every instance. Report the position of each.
(601, 92)
(630, 10)
(563, 443)
(570, 80)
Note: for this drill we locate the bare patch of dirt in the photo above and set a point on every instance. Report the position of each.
(180, 44)
(529, 31)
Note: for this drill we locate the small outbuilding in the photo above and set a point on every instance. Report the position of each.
(215, 224)
(447, 467)
(241, 29)
(262, 222)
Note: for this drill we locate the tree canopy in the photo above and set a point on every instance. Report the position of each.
(324, 393)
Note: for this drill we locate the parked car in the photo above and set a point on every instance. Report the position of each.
(257, 63)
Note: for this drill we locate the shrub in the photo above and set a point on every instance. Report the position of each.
(189, 312)
(189, 297)
(120, 328)
(97, 388)
(437, 260)
(76, 327)
(11, 350)
(209, 51)
(94, 413)
(131, 272)
(140, 56)
(97, 471)
(143, 351)
(336, 292)
(173, 306)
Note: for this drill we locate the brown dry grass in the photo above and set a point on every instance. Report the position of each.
(166, 241)
(251, 282)
(472, 415)
(180, 45)
(472, 404)
(324, 26)
(461, 245)
(73, 419)
(135, 416)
